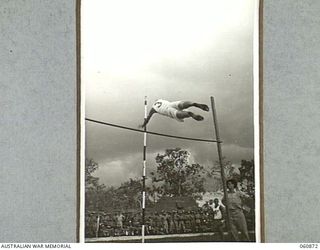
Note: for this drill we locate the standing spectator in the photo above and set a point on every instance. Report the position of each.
(181, 221)
(137, 219)
(218, 214)
(237, 218)
(126, 223)
(188, 219)
(206, 221)
(176, 221)
(164, 222)
(192, 220)
(172, 228)
(206, 207)
(91, 225)
(197, 217)
(120, 218)
(103, 225)
(156, 223)
(118, 222)
(149, 225)
(130, 224)
(111, 226)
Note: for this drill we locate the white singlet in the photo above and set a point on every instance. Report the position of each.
(166, 108)
(217, 213)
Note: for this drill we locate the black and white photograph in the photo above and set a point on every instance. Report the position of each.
(171, 121)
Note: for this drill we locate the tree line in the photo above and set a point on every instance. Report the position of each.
(174, 176)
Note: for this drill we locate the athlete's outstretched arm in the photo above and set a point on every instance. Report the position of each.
(152, 111)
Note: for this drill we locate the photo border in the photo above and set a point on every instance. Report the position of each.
(258, 41)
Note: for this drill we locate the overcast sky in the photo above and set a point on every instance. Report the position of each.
(173, 50)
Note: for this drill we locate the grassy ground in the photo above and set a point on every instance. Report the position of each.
(208, 237)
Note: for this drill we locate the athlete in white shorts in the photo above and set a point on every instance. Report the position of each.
(175, 110)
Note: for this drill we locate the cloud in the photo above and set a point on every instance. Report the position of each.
(115, 172)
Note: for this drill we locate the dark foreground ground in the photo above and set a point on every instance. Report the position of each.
(199, 237)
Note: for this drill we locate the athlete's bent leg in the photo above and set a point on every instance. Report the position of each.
(185, 114)
(188, 104)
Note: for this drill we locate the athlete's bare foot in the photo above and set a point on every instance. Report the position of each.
(197, 117)
(202, 106)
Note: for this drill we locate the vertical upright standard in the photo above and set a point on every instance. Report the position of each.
(144, 170)
(223, 178)
(98, 226)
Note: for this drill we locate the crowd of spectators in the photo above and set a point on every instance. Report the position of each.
(208, 218)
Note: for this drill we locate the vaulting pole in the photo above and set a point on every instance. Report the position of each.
(144, 171)
(223, 178)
